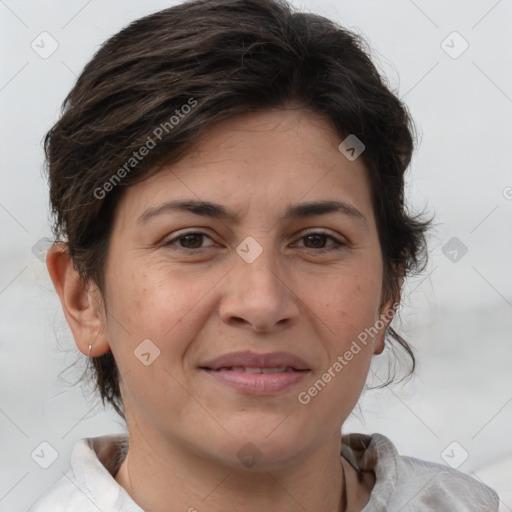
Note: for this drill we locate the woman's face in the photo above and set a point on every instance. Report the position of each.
(185, 287)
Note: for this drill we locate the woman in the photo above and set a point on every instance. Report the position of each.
(231, 240)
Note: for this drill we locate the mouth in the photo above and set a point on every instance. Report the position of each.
(245, 369)
(257, 380)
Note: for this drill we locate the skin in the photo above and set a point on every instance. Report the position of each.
(185, 428)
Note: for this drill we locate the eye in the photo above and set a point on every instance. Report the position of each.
(188, 241)
(314, 242)
(317, 240)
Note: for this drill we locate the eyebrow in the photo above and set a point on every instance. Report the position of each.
(218, 211)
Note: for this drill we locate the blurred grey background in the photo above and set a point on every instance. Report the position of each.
(451, 62)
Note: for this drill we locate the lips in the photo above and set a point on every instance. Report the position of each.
(279, 369)
(257, 374)
(257, 363)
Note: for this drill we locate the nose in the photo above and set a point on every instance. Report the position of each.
(260, 295)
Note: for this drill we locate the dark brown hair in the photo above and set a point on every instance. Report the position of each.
(225, 57)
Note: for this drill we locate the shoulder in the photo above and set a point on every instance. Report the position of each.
(70, 490)
(89, 485)
(60, 497)
(410, 484)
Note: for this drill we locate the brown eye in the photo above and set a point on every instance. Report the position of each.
(192, 241)
(188, 241)
(315, 242)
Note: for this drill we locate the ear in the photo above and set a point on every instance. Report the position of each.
(81, 304)
(387, 312)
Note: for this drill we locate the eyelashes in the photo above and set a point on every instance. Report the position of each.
(197, 237)
(336, 245)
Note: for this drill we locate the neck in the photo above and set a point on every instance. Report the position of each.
(160, 477)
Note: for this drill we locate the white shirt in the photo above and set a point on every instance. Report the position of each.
(402, 483)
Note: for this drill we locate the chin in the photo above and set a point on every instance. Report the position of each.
(260, 445)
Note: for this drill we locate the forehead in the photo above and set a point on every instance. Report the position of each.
(267, 160)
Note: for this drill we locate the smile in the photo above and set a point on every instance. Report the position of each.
(256, 370)
(258, 381)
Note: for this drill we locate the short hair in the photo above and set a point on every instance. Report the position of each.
(222, 58)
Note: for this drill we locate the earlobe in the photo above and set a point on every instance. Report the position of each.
(383, 325)
(380, 341)
(387, 312)
(78, 301)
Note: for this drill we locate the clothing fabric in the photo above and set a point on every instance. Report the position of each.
(402, 483)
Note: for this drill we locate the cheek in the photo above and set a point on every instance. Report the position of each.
(164, 305)
(154, 300)
(352, 305)
(347, 318)
(348, 315)
(149, 334)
